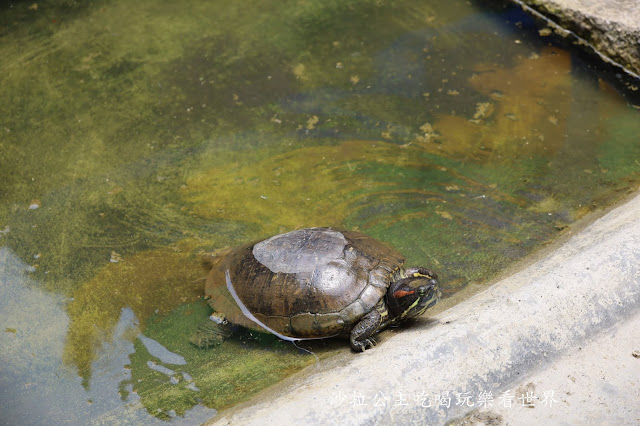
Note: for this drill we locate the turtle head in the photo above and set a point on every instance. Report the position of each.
(413, 292)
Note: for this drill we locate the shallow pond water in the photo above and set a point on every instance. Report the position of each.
(136, 136)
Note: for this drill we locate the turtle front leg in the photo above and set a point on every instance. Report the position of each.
(362, 333)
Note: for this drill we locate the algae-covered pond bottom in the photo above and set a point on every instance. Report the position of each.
(134, 138)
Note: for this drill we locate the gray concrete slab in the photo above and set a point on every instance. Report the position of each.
(597, 383)
(611, 27)
(494, 342)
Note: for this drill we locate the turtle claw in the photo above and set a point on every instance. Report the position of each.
(362, 345)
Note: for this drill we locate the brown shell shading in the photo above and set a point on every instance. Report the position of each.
(308, 283)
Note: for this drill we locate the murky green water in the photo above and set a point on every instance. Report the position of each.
(135, 136)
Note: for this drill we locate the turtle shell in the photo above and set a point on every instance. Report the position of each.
(308, 283)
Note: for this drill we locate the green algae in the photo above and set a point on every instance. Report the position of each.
(244, 365)
(127, 154)
(149, 283)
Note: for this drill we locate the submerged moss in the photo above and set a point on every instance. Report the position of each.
(150, 283)
(525, 112)
(216, 377)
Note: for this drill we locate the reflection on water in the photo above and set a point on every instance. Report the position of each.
(36, 387)
(155, 349)
(148, 283)
(455, 133)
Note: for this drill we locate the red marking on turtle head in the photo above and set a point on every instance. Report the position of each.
(402, 293)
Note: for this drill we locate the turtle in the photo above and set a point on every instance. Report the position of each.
(314, 283)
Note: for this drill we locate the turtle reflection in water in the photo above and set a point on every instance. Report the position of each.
(314, 283)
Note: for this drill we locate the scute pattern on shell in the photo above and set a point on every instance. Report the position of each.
(333, 277)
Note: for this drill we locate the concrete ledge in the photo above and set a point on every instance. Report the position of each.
(611, 27)
(488, 343)
(594, 384)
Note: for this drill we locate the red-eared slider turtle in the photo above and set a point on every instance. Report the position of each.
(315, 283)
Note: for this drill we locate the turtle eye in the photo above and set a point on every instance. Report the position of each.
(422, 290)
